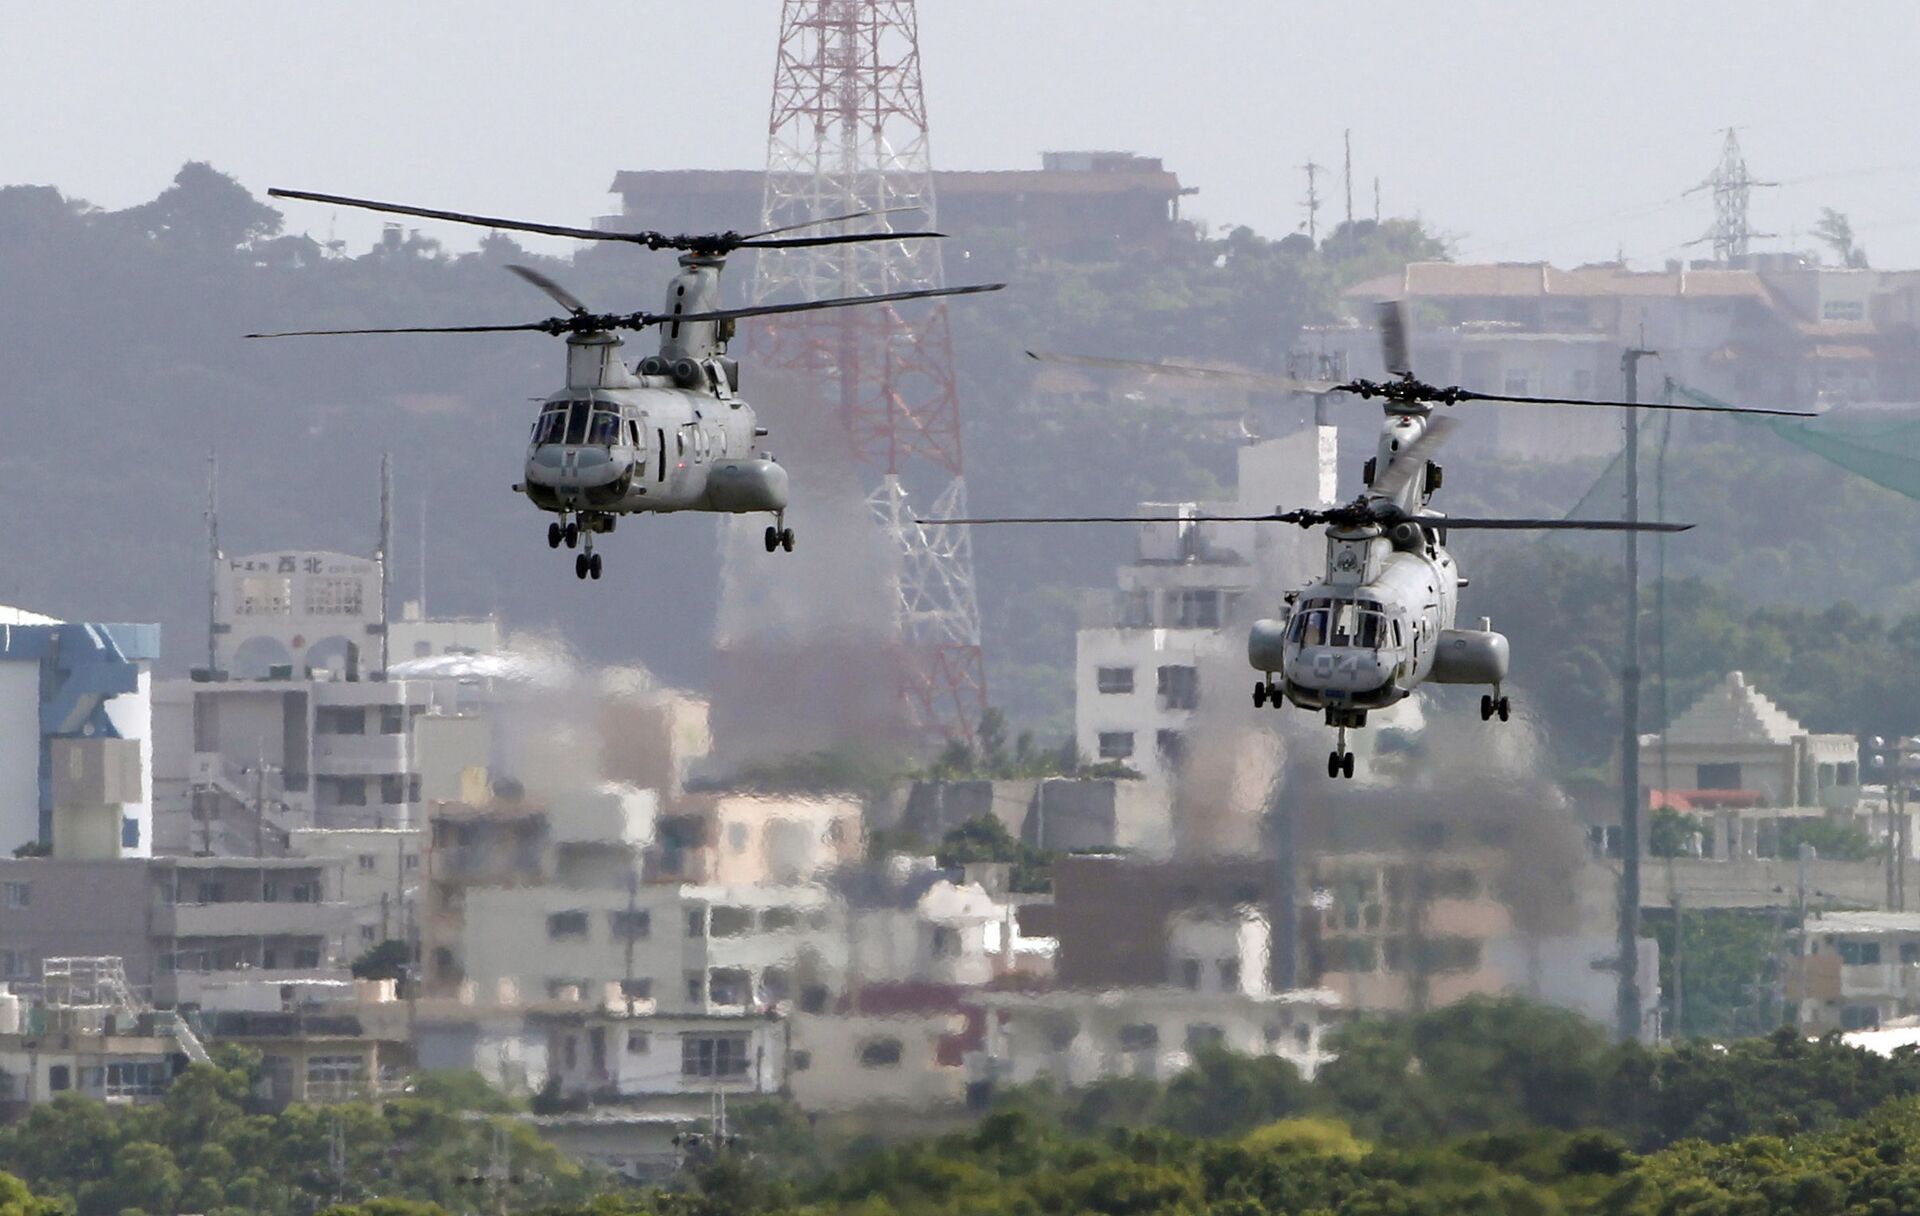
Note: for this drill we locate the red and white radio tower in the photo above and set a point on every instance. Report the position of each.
(848, 133)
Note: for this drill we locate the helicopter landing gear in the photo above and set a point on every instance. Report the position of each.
(1492, 704)
(1260, 694)
(571, 534)
(779, 536)
(586, 565)
(1340, 760)
(554, 535)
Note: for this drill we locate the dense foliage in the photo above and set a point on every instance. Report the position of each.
(203, 1150)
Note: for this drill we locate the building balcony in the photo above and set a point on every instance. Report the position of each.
(252, 918)
(359, 755)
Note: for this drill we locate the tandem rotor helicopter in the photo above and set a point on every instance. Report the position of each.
(672, 433)
(1380, 620)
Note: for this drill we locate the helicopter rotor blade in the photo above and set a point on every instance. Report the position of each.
(641, 320)
(1470, 395)
(1189, 371)
(1550, 525)
(545, 327)
(559, 294)
(1394, 355)
(712, 243)
(832, 219)
(1413, 457)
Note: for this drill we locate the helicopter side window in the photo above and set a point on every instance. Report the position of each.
(577, 412)
(606, 429)
(633, 433)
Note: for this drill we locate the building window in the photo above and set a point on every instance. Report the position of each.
(393, 719)
(713, 1055)
(1172, 746)
(1113, 679)
(339, 720)
(17, 964)
(880, 1053)
(637, 989)
(306, 959)
(696, 987)
(1142, 1036)
(59, 1077)
(135, 1079)
(737, 837)
(1116, 744)
(774, 920)
(413, 859)
(1230, 974)
(1196, 608)
(945, 943)
(368, 863)
(1201, 1036)
(696, 922)
(802, 1060)
(1179, 687)
(731, 986)
(1858, 954)
(567, 924)
(1718, 777)
(393, 789)
(731, 922)
(368, 934)
(1841, 310)
(18, 894)
(1190, 973)
(632, 926)
(639, 1042)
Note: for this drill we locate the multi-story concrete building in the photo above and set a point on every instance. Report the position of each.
(610, 1055)
(1735, 746)
(1856, 970)
(179, 923)
(75, 731)
(380, 877)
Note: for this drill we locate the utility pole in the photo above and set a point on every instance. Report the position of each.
(213, 563)
(1628, 1012)
(1313, 200)
(1347, 140)
(1376, 201)
(386, 558)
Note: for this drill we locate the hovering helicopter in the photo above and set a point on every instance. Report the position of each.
(1379, 622)
(672, 433)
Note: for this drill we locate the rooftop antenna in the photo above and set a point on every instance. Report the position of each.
(1312, 203)
(1347, 137)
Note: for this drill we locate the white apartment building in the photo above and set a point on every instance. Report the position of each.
(1856, 971)
(380, 877)
(1139, 651)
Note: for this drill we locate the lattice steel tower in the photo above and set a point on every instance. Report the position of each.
(1732, 186)
(848, 133)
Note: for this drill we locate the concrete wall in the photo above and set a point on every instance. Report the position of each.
(77, 908)
(19, 753)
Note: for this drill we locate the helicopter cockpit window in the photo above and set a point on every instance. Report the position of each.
(1358, 624)
(606, 429)
(1310, 624)
(577, 412)
(551, 424)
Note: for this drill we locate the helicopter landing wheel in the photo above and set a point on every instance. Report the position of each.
(1503, 707)
(580, 563)
(553, 535)
(1339, 764)
(773, 539)
(593, 565)
(1259, 694)
(571, 534)
(1346, 765)
(1486, 707)
(786, 539)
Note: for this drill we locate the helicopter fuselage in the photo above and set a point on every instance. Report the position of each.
(653, 447)
(1380, 621)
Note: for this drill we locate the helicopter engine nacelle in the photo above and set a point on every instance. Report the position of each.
(1470, 656)
(747, 485)
(1266, 645)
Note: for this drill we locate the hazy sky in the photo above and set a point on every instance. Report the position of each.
(1521, 129)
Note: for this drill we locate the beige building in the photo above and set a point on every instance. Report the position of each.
(1734, 744)
(1856, 971)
